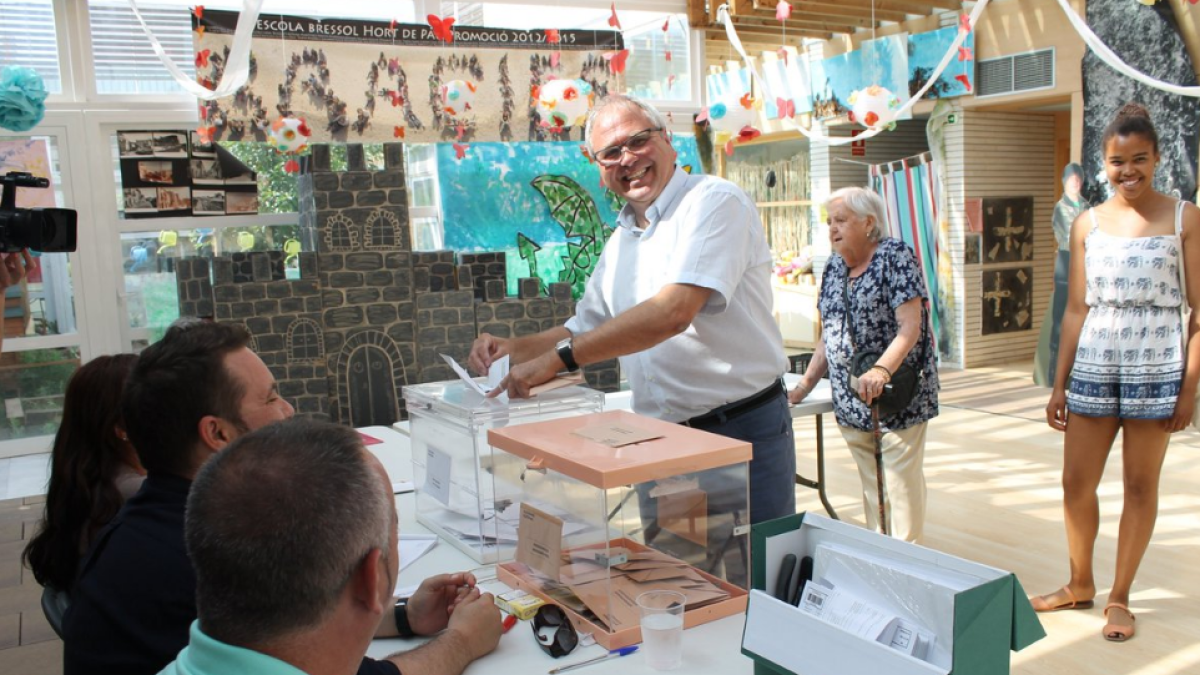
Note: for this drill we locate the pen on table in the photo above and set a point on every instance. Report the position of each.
(509, 622)
(614, 654)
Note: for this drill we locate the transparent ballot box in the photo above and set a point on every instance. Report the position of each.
(456, 490)
(614, 504)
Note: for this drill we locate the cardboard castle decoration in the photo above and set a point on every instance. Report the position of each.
(368, 314)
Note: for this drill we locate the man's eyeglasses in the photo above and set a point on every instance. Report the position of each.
(612, 154)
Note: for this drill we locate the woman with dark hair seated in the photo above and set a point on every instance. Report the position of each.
(93, 470)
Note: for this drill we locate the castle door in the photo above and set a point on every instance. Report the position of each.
(372, 388)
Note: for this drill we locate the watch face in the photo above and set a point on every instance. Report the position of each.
(563, 343)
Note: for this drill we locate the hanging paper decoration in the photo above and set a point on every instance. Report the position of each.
(460, 150)
(457, 97)
(289, 136)
(441, 27)
(613, 20)
(874, 107)
(564, 103)
(783, 11)
(730, 115)
(732, 119)
(22, 98)
(616, 60)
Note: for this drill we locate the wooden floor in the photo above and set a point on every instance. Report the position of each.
(993, 469)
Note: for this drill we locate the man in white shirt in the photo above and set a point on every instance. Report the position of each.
(682, 295)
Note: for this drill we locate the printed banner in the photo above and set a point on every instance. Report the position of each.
(354, 81)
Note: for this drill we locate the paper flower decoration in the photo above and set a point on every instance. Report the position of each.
(22, 98)
(564, 103)
(873, 107)
(457, 97)
(289, 136)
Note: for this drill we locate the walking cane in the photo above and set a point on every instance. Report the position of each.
(879, 468)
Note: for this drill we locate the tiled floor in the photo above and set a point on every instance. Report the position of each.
(27, 644)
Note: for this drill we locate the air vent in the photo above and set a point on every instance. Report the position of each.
(1016, 73)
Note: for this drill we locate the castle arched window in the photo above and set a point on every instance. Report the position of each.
(304, 341)
(340, 233)
(382, 231)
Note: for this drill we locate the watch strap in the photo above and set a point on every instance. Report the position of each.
(567, 355)
(400, 612)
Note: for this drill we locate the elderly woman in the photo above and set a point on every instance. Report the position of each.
(872, 296)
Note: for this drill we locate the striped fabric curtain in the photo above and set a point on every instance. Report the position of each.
(910, 187)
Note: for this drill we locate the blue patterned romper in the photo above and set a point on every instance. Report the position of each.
(1129, 363)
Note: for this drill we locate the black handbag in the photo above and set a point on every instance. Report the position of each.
(898, 393)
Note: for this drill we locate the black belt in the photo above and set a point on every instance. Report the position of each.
(731, 410)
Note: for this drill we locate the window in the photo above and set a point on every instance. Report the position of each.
(28, 38)
(124, 61)
(304, 341)
(649, 73)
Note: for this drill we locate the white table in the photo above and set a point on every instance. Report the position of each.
(712, 648)
(818, 402)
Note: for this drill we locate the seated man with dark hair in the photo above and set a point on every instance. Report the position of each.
(287, 583)
(190, 394)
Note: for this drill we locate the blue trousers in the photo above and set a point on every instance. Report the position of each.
(773, 467)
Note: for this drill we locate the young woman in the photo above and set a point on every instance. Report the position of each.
(93, 470)
(1125, 363)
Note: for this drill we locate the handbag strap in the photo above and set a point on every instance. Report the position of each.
(849, 328)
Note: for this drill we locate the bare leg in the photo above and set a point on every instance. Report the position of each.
(1143, 452)
(1085, 451)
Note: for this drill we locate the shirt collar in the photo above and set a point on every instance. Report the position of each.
(674, 188)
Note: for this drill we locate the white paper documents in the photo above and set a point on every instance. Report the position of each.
(497, 372)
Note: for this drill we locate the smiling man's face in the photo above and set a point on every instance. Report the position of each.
(640, 175)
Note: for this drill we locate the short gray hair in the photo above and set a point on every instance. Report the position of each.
(621, 101)
(863, 202)
(276, 525)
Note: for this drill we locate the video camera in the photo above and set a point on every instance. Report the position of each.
(45, 230)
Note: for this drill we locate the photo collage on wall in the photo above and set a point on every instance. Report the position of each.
(1005, 237)
(174, 173)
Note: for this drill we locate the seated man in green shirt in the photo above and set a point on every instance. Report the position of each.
(292, 534)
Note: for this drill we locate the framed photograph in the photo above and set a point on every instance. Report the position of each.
(241, 202)
(135, 144)
(156, 172)
(1007, 229)
(201, 149)
(141, 200)
(1007, 300)
(175, 199)
(208, 202)
(170, 144)
(206, 171)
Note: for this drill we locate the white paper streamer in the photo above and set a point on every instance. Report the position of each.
(237, 66)
(1109, 57)
(731, 34)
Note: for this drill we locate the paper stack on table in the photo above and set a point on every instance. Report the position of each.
(647, 570)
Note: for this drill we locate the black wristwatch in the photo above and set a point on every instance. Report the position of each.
(567, 354)
(403, 629)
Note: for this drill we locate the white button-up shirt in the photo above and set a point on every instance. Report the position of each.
(703, 231)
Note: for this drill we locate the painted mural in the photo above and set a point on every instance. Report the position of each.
(540, 203)
(925, 52)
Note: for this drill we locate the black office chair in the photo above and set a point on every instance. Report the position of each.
(54, 605)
